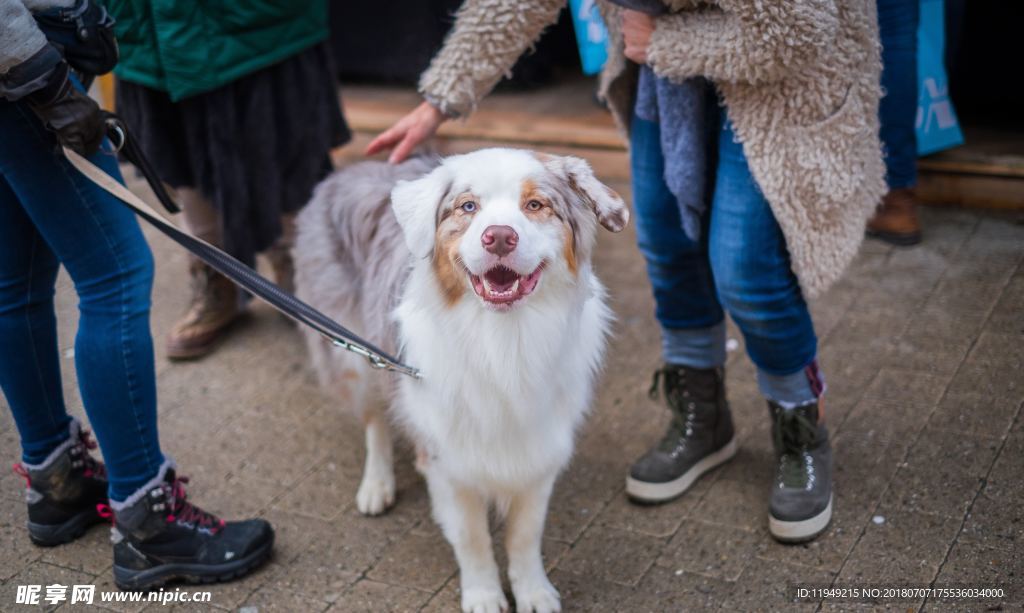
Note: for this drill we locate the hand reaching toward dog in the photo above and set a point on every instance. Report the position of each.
(420, 124)
(637, 29)
(407, 133)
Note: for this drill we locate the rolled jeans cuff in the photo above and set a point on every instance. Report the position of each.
(789, 391)
(694, 347)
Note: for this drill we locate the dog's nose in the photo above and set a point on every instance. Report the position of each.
(499, 240)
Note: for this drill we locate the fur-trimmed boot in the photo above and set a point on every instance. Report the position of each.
(159, 537)
(63, 491)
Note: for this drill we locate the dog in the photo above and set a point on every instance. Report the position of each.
(479, 273)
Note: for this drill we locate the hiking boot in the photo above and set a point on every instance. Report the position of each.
(895, 221)
(159, 536)
(213, 309)
(801, 502)
(699, 438)
(63, 492)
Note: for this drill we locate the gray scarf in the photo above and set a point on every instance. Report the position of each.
(687, 116)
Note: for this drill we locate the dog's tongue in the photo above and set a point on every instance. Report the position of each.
(501, 279)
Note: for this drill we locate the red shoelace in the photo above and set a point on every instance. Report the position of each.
(185, 511)
(181, 508)
(93, 467)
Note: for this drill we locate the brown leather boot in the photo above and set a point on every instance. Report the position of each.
(895, 221)
(213, 309)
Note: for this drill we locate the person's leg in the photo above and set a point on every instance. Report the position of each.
(29, 359)
(700, 435)
(759, 290)
(896, 220)
(100, 243)
(756, 282)
(692, 320)
(214, 306)
(897, 28)
(161, 535)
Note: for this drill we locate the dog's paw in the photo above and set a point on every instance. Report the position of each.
(375, 495)
(537, 597)
(484, 600)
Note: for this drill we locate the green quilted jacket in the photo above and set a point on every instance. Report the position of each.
(189, 47)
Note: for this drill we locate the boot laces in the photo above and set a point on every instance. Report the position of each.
(81, 458)
(20, 470)
(681, 405)
(181, 510)
(794, 434)
(104, 511)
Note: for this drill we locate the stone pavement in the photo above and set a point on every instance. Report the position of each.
(923, 349)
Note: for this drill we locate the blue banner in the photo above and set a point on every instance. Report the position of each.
(937, 125)
(591, 35)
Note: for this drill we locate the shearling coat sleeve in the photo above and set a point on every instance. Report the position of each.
(487, 39)
(744, 41)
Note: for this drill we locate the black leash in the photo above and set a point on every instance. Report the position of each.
(242, 275)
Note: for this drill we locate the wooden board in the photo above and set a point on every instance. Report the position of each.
(987, 172)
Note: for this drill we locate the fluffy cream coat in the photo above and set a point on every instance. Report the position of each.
(800, 80)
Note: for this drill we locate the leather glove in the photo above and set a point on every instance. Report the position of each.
(73, 116)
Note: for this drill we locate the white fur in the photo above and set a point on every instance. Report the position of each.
(503, 391)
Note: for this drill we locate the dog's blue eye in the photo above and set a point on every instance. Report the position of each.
(468, 207)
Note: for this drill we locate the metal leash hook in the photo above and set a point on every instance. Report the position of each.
(376, 361)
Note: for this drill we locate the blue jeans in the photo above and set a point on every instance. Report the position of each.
(740, 265)
(897, 23)
(51, 215)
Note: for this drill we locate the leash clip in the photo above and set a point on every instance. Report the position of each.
(377, 362)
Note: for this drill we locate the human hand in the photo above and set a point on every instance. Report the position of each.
(408, 132)
(70, 114)
(637, 29)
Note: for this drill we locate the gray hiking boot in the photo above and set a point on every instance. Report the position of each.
(699, 438)
(801, 502)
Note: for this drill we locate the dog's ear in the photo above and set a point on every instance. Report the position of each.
(607, 205)
(415, 204)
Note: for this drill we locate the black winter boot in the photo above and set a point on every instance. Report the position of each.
(699, 438)
(160, 537)
(64, 491)
(801, 502)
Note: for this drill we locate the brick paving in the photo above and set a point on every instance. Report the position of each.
(923, 349)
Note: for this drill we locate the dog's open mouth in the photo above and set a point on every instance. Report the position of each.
(501, 285)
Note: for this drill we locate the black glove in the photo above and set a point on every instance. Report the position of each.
(74, 117)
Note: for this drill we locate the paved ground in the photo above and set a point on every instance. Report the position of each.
(924, 354)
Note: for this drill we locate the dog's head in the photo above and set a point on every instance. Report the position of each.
(500, 223)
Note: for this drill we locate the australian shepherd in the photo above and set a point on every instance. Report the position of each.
(477, 270)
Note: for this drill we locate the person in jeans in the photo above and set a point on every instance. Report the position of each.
(755, 158)
(52, 215)
(236, 106)
(896, 220)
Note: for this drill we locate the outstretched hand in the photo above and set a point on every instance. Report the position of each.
(407, 133)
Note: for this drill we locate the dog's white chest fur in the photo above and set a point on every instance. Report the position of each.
(502, 393)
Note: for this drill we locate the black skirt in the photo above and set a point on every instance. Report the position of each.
(255, 147)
